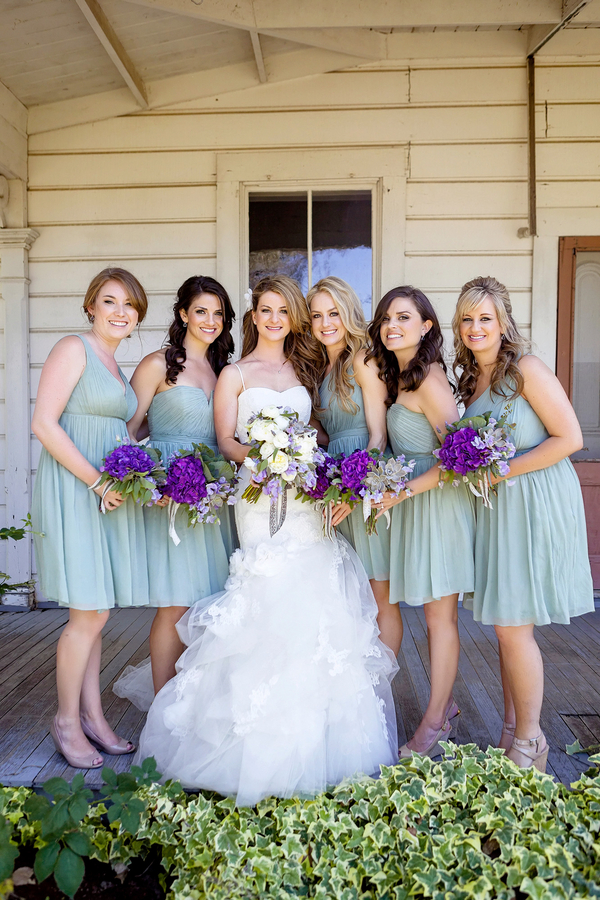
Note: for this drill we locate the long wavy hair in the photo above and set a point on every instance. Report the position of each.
(296, 347)
(221, 349)
(429, 351)
(506, 381)
(353, 319)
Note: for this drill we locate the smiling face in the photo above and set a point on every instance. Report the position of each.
(402, 327)
(327, 325)
(480, 328)
(204, 318)
(113, 312)
(271, 317)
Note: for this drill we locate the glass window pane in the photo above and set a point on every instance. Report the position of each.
(341, 229)
(278, 230)
(586, 353)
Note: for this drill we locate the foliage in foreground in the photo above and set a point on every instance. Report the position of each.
(472, 826)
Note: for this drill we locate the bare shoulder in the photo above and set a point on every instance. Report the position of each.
(154, 362)
(363, 368)
(436, 380)
(533, 367)
(70, 349)
(230, 376)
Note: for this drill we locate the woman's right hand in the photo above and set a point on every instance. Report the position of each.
(112, 499)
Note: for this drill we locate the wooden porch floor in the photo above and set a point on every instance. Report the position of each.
(28, 695)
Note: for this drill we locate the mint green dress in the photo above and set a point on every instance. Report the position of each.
(87, 560)
(197, 567)
(531, 553)
(432, 534)
(348, 432)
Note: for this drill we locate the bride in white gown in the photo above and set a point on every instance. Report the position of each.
(284, 686)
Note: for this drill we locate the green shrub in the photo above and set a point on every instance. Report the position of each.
(472, 826)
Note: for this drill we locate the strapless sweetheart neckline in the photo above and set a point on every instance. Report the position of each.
(273, 391)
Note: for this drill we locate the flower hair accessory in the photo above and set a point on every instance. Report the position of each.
(248, 299)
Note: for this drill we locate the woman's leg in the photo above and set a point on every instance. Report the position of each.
(523, 671)
(508, 728)
(444, 650)
(78, 650)
(389, 617)
(91, 701)
(165, 646)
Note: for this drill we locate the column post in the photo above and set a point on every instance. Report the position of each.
(14, 287)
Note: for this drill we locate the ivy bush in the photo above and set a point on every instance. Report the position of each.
(471, 826)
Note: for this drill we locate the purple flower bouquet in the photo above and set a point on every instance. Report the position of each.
(133, 470)
(203, 481)
(475, 449)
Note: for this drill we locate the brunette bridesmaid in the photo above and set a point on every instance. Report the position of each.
(87, 561)
(531, 556)
(353, 412)
(432, 532)
(174, 387)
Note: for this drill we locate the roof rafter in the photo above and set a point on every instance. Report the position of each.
(258, 56)
(264, 15)
(106, 35)
(539, 35)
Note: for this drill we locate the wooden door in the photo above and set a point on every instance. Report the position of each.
(578, 368)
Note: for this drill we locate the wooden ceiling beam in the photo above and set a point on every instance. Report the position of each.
(264, 15)
(355, 41)
(106, 35)
(539, 35)
(258, 56)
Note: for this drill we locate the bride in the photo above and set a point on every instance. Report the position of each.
(284, 686)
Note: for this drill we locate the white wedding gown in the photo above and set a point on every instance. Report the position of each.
(284, 686)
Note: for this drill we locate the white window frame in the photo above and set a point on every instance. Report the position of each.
(381, 170)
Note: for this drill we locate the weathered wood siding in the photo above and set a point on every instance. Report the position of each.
(140, 190)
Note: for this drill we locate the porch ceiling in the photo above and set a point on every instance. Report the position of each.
(57, 55)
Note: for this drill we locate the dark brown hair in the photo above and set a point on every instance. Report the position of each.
(296, 347)
(222, 347)
(135, 292)
(428, 352)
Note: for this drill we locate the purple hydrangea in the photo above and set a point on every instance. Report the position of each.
(460, 452)
(186, 481)
(354, 469)
(125, 459)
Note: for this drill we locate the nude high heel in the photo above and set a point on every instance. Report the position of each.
(111, 749)
(453, 709)
(434, 748)
(78, 762)
(527, 753)
(509, 731)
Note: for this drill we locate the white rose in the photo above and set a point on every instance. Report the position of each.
(249, 463)
(280, 462)
(281, 440)
(259, 431)
(267, 450)
(282, 422)
(270, 412)
(289, 476)
(306, 447)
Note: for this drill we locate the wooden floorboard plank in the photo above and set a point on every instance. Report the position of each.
(27, 755)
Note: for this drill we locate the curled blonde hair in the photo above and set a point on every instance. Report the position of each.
(507, 380)
(353, 319)
(296, 347)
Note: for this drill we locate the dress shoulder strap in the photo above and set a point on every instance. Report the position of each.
(241, 376)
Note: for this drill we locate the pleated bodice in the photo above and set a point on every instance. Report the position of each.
(410, 433)
(180, 417)
(347, 431)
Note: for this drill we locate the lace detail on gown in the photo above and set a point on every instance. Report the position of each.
(284, 686)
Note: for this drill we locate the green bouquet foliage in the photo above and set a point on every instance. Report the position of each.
(472, 826)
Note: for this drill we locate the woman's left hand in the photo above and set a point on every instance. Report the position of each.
(387, 502)
(339, 511)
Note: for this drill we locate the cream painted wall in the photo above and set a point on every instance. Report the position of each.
(141, 190)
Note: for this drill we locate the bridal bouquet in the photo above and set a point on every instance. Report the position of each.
(133, 470)
(283, 453)
(474, 449)
(201, 480)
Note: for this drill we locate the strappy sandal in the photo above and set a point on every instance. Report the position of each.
(527, 753)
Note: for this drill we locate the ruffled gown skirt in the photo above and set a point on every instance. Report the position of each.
(284, 687)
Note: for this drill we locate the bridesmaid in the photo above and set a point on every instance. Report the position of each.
(174, 387)
(432, 535)
(531, 558)
(87, 561)
(353, 412)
